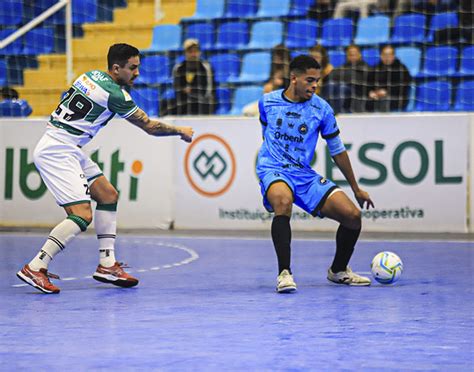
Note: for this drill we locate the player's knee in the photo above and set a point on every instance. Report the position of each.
(112, 195)
(283, 204)
(354, 219)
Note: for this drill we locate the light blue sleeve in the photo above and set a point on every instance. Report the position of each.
(330, 132)
(262, 115)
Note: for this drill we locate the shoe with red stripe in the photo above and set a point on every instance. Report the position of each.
(38, 279)
(115, 275)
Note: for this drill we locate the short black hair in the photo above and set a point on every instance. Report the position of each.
(302, 63)
(120, 53)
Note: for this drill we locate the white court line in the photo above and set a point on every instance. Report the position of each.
(193, 256)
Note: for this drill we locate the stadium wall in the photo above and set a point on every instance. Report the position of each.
(417, 168)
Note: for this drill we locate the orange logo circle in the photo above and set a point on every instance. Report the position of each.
(206, 165)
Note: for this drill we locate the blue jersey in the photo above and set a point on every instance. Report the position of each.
(291, 130)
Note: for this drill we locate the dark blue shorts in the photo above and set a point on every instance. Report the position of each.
(310, 189)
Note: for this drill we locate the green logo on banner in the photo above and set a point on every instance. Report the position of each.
(213, 165)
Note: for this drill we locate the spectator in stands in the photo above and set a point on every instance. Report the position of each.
(320, 54)
(12, 105)
(389, 83)
(193, 82)
(353, 73)
(281, 58)
(276, 81)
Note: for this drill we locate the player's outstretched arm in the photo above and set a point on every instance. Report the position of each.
(343, 162)
(158, 128)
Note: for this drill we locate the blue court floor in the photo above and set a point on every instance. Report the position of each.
(209, 304)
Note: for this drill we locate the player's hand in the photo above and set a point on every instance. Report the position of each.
(363, 198)
(186, 133)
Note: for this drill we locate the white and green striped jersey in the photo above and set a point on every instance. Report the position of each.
(89, 104)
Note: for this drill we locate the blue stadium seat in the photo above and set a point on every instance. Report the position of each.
(207, 9)
(224, 98)
(84, 11)
(241, 9)
(296, 53)
(255, 68)
(165, 38)
(409, 28)
(232, 35)
(439, 62)
(337, 32)
(464, 96)
(410, 57)
(39, 41)
(15, 108)
(301, 33)
(337, 57)
(204, 32)
(11, 12)
(440, 21)
(154, 70)
(3, 73)
(373, 30)
(225, 67)
(300, 8)
(39, 6)
(272, 8)
(371, 56)
(147, 99)
(433, 96)
(265, 35)
(466, 67)
(244, 96)
(13, 48)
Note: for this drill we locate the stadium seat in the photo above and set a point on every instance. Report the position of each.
(433, 96)
(39, 6)
(371, 56)
(165, 38)
(337, 32)
(464, 96)
(147, 99)
(204, 32)
(15, 108)
(410, 57)
(14, 48)
(11, 12)
(225, 67)
(409, 28)
(337, 57)
(3, 73)
(39, 41)
(466, 67)
(232, 35)
(300, 8)
(241, 9)
(265, 35)
(372, 30)
(301, 33)
(244, 96)
(255, 68)
(224, 104)
(207, 9)
(84, 11)
(154, 70)
(439, 62)
(440, 21)
(272, 8)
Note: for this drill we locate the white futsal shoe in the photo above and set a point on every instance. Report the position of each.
(285, 282)
(348, 277)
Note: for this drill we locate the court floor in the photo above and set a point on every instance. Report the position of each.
(209, 303)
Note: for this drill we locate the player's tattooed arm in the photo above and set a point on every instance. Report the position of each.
(158, 128)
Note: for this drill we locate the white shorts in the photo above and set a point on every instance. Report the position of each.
(66, 170)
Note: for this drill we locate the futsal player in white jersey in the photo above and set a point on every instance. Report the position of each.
(74, 179)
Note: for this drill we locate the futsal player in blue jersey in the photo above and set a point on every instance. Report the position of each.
(292, 120)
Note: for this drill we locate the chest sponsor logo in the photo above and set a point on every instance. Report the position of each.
(287, 137)
(303, 129)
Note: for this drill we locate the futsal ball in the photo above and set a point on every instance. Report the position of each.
(386, 267)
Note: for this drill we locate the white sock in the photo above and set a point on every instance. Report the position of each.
(106, 229)
(59, 237)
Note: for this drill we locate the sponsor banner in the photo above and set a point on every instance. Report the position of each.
(138, 165)
(414, 166)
